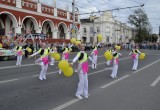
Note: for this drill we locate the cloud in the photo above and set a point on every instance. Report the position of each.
(151, 8)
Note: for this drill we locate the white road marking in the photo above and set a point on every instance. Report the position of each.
(155, 82)
(67, 104)
(113, 82)
(100, 71)
(60, 107)
(8, 81)
(9, 67)
(147, 66)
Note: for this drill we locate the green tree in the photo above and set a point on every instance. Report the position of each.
(141, 23)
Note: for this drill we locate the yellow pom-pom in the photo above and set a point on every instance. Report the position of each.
(63, 65)
(142, 56)
(29, 50)
(68, 72)
(73, 40)
(108, 55)
(57, 56)
(1, 45)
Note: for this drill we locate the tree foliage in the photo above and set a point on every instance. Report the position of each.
(141, 23)
(152, 38)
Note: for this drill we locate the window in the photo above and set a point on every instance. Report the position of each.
(91, 30)
(98, 30)
(84, 30)
(108, 29)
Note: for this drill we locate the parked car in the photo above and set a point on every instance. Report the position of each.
(5, 54)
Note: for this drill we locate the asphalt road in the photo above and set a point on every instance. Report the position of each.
(20, 88)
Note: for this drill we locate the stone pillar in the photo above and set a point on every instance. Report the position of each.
(67, 35)
(18, 30)
(55, 11)
(68, 17)
(39, 8)
(39, 30)
(18, 4)
(55, 35)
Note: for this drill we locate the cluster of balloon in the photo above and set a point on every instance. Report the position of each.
(100, 37)
(29, 50)
(76, 42)
(142, 56)
(65, 67)
(56, 56)
(108, 55)
(73, 40)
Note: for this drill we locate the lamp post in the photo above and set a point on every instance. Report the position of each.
(92, 18)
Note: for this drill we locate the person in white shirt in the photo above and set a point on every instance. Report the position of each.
(135, 55)
(115, 63)
(83, 66)
(43, 60)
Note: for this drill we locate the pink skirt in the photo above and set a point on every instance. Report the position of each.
(95, 52)
(85, 67)
(133, 56)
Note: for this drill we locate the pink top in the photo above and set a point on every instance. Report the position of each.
(66, 56)
(95, 52)
(45, 60)
(19, 53)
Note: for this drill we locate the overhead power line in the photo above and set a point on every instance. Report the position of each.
(113, 9)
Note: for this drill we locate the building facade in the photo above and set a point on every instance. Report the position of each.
(112, 31)
(25, 16)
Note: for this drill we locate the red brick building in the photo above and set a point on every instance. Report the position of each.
(23, 16)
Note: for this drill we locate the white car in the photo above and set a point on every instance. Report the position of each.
(6, 53)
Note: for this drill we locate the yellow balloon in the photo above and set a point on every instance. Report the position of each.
(57, 57)
(53, 54)
(73, 40)
(78, 42)
(1, 45)
(63, 65)
(68, 72)
(99, 35)
(118, 47)
(100, 38)
(142, 56)
(29, 50)
(108, 55)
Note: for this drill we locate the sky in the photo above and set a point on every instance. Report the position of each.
(152, 8)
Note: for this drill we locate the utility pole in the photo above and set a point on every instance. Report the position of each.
(159, 30)
(73, 23)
